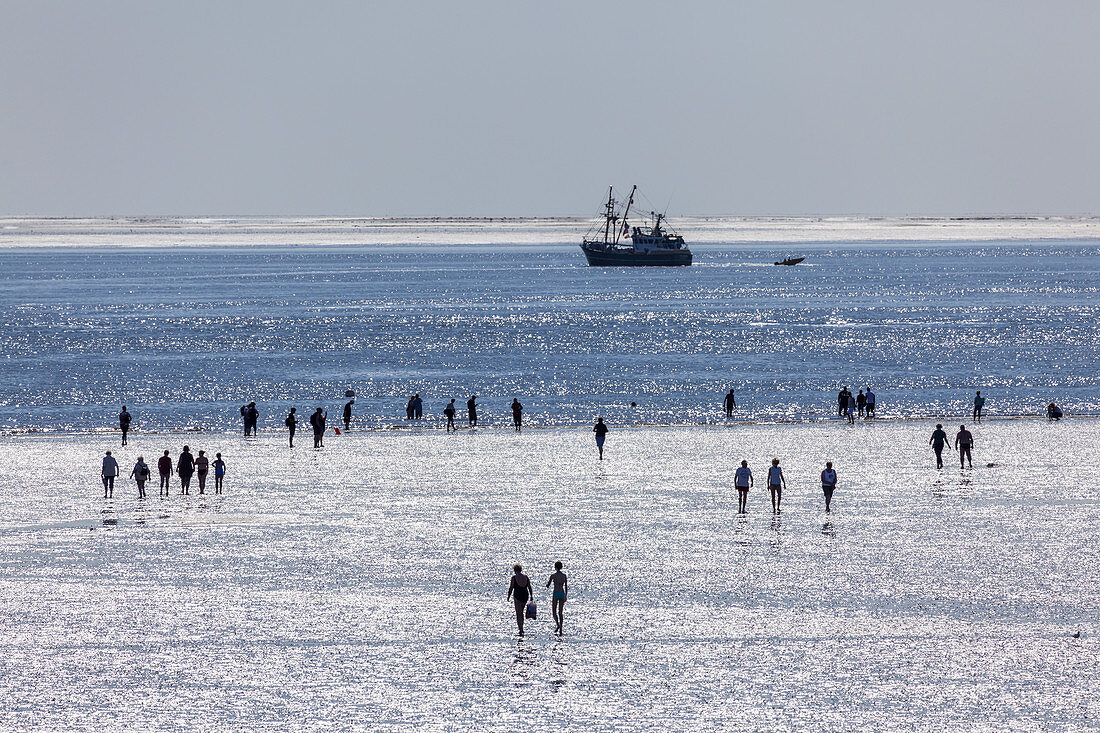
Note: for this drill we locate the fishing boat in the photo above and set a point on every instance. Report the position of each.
(622, 245)
(791, 261)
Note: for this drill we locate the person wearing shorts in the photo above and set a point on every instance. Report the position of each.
(561, 592)
(743, 481)
(219, 472)
(828, 484)
(601, 434)
(776, 483)
(964, 441)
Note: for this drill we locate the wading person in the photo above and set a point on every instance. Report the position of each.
(870, 403)
(219, 472)
(729, 403)
(743, 480)
(449, 412)
(842, 402)
(418, 407)
(140, 475)
(164, 465)
(601, 434)
(561, 592)
(828, 484)
(347, 414)
(938, 441)
(252, 415)
(519, 591)
(292, 423)
(861, 403)
(124, 419)
(110, 470)
(776, 483)
(964, 441)
(318, 420)
(979, 402)
(517, 414)
(409, 408)
(851, 410)
(185, 466)
(471, 409)
(202, 469)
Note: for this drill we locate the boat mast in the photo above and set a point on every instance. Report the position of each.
(608, 213)
(629, 201)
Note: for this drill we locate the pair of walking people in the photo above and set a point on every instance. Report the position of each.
(964, 444)
(521, 594)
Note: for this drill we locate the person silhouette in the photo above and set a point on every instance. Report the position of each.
(828, 484)
(938, 441)
(471, 408)
(964, 441)
(318, 421)
(601, 434)
(561, 592)
(449, 411)
(519, 591)
(517, 414)
(776, 483)
(729, 402)
(291, 423)
(347, 414)
(979, 402)
(164, 466)
(110, 470)
(124, 419)
(185, 467)
(743, 480)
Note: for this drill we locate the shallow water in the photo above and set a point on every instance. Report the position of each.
(363, 585)
(185, 320)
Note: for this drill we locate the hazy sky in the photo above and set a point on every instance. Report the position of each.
(425, 107)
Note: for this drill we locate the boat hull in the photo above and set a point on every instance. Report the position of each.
(604, 258)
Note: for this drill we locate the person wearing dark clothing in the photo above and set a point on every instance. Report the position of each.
(449, 411)
(244, 418)
(185, 466)
(517, 414)
(317, 420)
(1053, 412)
(418, 407)
(124, 419)
(828, 484)
(164, 465)
(861, 403)
(292, 423)
(252, 420)
(519, 591)
(601, 434)
(938, 441)
(347, 414)
(110, 470)
(471, 408)
(842, 402)
(409, 408)
(729, 403)
(964, 441)
(979, 401)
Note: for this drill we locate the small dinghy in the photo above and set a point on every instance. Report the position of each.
(791, 261)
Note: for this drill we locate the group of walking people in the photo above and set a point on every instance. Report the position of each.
(743, 480)
(186, 466)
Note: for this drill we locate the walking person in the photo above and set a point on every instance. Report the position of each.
(601, 434)
(185, 466)
(110, 470)
(938, 441)
(517, 414)
(318, 421)
(776, 483)
(964, 441)
(861, 403)
(291, 423)
(851, 410)
(202, 468)
(219, 472)
(870, 403)
(828, 484)
(449, 411)
(124, 419)
(729, 402)
(519, 591)
(140, 475)
(347, 414)
(743, 480)
(471, 409)
(561, 592)
(164, 465)
(979, 402)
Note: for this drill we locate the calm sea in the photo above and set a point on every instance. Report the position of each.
(185, 320)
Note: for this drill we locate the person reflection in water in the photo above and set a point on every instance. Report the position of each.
(519, 591)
